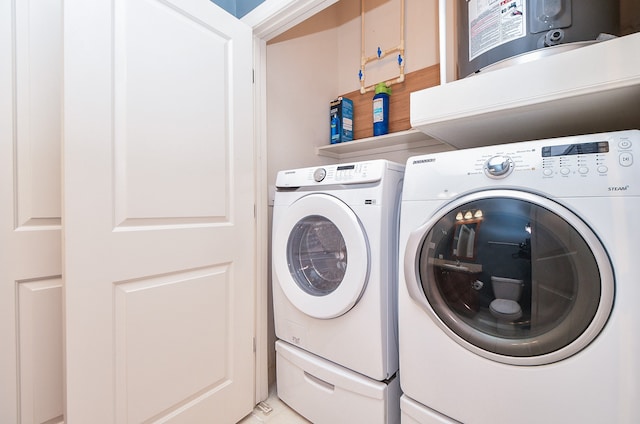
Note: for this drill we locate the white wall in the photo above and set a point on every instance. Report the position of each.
(301, 81)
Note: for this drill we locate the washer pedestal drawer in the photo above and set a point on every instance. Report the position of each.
(324, 392)
(413, 412)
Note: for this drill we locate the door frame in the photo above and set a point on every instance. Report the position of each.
(270, 19)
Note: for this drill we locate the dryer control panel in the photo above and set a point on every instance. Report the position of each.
(587, 157)
(586, 165)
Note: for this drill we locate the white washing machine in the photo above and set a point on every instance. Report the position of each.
(334, 259)
(518, 293)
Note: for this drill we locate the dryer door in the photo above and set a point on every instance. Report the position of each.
(511, 276)
(321, 256)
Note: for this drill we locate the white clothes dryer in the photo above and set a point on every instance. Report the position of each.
(517, 287)
(334, 260)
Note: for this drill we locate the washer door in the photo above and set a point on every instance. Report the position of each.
(321, 256)
(511, 276)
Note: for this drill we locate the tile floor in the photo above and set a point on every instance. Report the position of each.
(280, 413)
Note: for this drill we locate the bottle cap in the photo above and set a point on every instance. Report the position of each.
(381, 87)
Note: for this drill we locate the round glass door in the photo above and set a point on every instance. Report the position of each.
(320, 256)
(317, 255)
(512, 276)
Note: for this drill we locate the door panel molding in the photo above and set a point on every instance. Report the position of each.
(31, 366)
(160, 247)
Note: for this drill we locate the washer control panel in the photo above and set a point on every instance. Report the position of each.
(352, 173)
(355, 172)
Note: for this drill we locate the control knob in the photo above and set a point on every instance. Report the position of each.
(498, 166)
(319, 174)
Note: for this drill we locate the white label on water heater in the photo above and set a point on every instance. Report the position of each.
(495, 22)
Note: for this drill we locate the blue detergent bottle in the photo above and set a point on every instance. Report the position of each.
(335, 129)
(381, 109)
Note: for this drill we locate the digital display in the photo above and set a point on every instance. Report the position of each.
(346, 167)
(576, 149)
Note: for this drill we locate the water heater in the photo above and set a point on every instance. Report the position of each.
(491, 31)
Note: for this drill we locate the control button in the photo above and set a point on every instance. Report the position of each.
(319, 174)
(583, 170)
(602, 169)
(626, 159)
(547, 172)
(624, 144)
(565, 171)
(498, 166)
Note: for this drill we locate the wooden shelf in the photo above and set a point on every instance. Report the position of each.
(403, 140)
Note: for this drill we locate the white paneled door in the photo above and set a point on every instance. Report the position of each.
(31, 316)
(158, 212)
